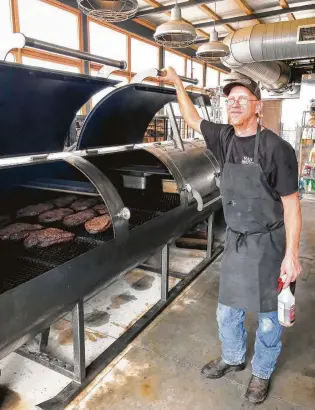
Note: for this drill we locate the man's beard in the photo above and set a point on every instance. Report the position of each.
(239, 121)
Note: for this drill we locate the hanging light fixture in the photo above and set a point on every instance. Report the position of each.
(176, 33)
(213, 50)
(112, 11)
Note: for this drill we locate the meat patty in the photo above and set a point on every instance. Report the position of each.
(98, 224)
(47, 237)
(4, 220)
(33, 210)
(101, 209)
(17, 231)
(78, 218)
(64, 200)
(82, 204)
(55, 215)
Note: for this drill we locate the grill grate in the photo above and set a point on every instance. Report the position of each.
(30, 263)
(20, 270)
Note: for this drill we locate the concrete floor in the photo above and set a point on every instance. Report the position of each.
(161, 369)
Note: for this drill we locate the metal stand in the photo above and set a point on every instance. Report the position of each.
(69, 393)
(175, 129)
(164, 272)
(203, 107)
(75, 372)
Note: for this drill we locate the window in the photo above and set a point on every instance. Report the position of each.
(175, 61)
(212, 79)
(98, 96)
(49, 23)
(107, 42)
(10, 58)
(222, 78)
(143, 56)
(49, 64)
(197, 71)
(5, 19)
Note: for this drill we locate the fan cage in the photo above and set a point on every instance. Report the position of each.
(127, 10)
(175, 40)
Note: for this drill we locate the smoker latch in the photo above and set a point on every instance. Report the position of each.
(200, 204)
(196, 195)
(124, 214)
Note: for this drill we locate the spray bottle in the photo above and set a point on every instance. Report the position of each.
(286, 303)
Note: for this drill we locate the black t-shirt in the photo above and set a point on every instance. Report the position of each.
(276, 156)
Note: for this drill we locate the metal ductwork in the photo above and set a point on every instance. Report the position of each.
(257, 51)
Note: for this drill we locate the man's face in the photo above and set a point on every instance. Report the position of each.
(245, 105)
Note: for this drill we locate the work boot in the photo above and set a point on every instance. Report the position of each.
(218, 368)
(257, 390)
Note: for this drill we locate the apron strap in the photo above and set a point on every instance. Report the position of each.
(228, 154)
(257, 144)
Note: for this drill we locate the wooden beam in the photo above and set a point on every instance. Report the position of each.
(246, 9)
(284, 5)
(214, 16)
(14, 6)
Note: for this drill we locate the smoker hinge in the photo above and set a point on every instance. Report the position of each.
(124, 214)
(39, 157)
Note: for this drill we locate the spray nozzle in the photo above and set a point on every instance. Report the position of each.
(281, 282)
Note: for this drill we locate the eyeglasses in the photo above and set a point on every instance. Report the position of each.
(242, 101)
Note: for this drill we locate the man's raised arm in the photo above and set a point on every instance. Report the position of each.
(187, 108)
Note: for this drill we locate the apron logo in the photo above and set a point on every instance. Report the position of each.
(233, 203)
(247, 161)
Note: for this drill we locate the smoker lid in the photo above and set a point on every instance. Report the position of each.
(123, 115)
(37, 107)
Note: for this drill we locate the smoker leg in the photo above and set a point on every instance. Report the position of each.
(76, 372)
(43, 341)
(209, 244)
(78, 341)
(165, 272)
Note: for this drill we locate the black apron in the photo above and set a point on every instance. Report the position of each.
(255, 239)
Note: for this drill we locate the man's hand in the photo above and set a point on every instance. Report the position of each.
(291, 268)
(170, 75)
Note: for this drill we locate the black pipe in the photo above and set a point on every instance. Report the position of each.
(253, 16)
(54, 48)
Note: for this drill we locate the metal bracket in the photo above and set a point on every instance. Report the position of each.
(174, 126)
(77, 371)
(10, 42)
(105, 71)
(139, 77)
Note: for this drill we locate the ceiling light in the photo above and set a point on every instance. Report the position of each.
(213, 50)
(112, 11)
(176, 33)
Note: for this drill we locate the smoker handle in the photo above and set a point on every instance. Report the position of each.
(196, 195)
(194, 81)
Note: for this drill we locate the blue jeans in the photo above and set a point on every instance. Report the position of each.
(233, 338)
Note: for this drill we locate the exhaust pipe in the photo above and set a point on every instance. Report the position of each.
(256, 51)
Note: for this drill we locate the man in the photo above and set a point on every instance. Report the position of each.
(259, 188)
